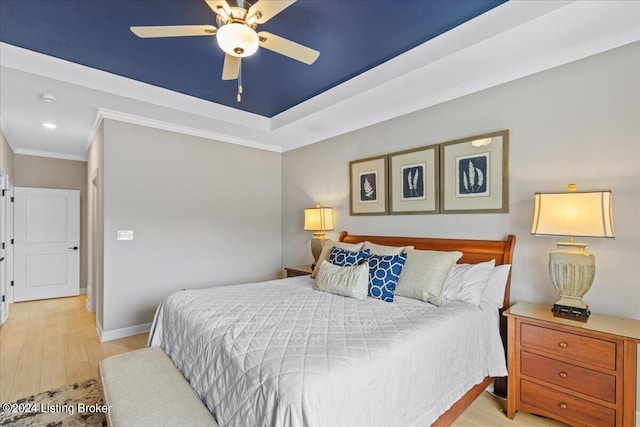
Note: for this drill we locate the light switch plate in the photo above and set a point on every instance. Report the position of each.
(125, 234)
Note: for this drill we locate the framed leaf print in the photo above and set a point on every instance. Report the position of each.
(369, 186)
(414, 181)
(474, 174)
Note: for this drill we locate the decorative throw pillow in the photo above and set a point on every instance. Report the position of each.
(494, 292)
(385, 250)
(384, 271)
(424, 274)
(466, 282)
(326, 249)
(350, 281)
(345, 258)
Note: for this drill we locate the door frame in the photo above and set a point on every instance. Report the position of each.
(4, 285)
(6, 237)
(10, 239)
(93, 258)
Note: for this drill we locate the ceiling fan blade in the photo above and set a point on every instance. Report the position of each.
(263, 10)
(231, 67)
(174, 31)
(288, 48)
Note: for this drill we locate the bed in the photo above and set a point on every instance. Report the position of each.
(281, 353)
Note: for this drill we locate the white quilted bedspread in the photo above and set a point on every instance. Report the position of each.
(280, 353)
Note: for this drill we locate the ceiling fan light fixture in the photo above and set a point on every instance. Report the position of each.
(237, 39)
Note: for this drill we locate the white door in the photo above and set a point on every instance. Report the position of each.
(4, 306)
(10, 239)
(47, 240)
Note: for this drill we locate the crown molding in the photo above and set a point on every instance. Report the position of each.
(552, 50)
(514, 40)
(173, 127)
(50, 154)
(69, 72)
(94, 130)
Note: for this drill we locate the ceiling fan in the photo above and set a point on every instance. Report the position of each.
(236, 34)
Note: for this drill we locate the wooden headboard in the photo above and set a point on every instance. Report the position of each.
(474, 251)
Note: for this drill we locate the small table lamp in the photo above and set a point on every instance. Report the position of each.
(318, 219)
(571, 267)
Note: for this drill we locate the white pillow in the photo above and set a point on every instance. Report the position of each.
(385, 250)
(467, 282)
(424, 273)
(326, 251)
(350, 281)
(494, 292)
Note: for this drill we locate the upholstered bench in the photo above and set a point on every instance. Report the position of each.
(144, 388)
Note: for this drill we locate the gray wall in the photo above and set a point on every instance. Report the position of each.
(95, 218)
(204, 213)
(579, 123)
(6, 156)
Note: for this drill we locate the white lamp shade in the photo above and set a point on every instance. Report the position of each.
(318, 219)
(237, 40)
(577, 214)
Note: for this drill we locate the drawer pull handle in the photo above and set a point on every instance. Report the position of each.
(563, 374)
(563, 344)
(562, 405)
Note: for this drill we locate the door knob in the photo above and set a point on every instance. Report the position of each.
(75, 248)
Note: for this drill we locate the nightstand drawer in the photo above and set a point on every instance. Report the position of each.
(570, 346)
(586, 381)
(301, 270)
(565, 406)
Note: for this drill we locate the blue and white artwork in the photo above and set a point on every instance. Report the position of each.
(369, 187)
(473, 175)
(413, 181)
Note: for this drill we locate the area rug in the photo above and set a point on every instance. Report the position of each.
(80, 404)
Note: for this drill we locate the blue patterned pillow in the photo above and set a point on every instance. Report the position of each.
(384, 271)
(344, 258)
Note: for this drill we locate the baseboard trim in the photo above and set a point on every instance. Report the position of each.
(83, 291)
(122, 332)
(638, 418)
(99, 329)
(87, 304)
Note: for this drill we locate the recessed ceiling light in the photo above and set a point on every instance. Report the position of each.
(48, 98)
(49, 125)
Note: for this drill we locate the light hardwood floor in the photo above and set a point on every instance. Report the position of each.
(51, 343)
(47, 344)
(488, 410)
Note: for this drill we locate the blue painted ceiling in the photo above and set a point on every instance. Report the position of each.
(352, 36)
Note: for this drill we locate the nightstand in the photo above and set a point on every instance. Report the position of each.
(580, 373)
(300, 270)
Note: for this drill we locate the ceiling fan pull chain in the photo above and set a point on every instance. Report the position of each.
(237, 34)
(239, 98)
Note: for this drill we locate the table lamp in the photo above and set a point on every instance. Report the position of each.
(571, 267)
(319, 220)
